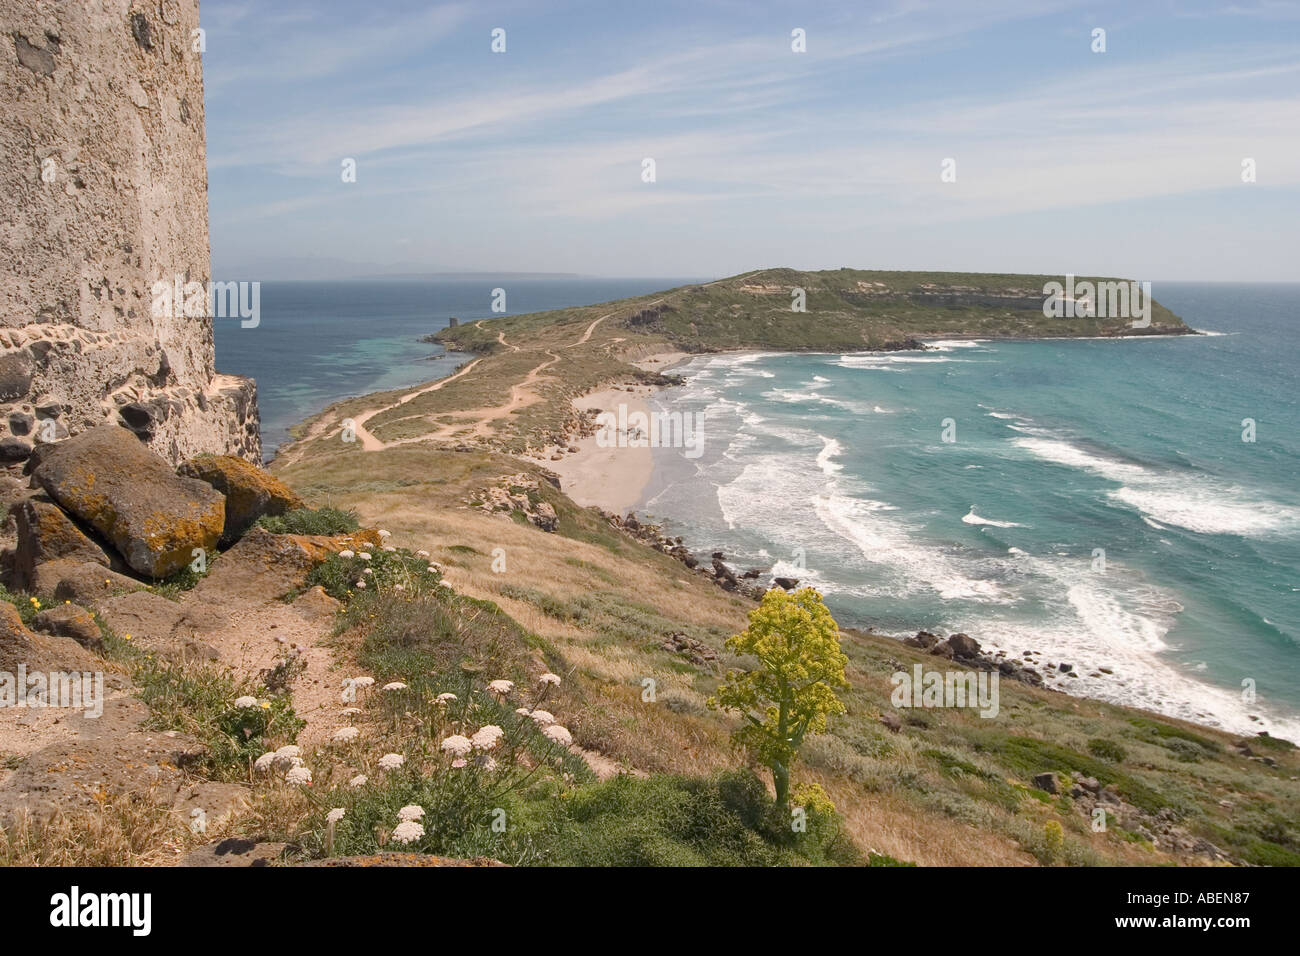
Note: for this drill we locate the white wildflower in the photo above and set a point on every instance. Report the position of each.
(549, 678)
(432, 570)
(245, 702)
(395, 685)
(457, 744)
(422, 554)
(444, 698)
(389, 547)
(349, 711)
(363, 681)
(522, 711)
(364, 555)
(263, 763)
(542, 718)
(360, 780)
(407, 832)
(486, 762)
(558, 734)
(298, 777)
(289, 750)
(383, 535)
(360, 585)
(347, 554)
(345, 735)
(411, 812)
(335, 815)
(501, 687)
(391, 761)
(487, 737)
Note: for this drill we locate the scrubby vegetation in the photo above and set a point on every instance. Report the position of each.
(235, 720)
(311, 521)
(792, 691)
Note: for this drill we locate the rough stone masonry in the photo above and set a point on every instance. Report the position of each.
(104, 190)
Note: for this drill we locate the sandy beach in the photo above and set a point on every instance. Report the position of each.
(611, 478)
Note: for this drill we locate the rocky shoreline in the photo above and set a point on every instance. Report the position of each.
(957, 647)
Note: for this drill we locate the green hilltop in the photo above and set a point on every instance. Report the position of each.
(844, 309)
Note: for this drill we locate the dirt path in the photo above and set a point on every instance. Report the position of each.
(368, 441)
(520, 397)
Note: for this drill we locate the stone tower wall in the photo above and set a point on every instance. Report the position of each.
(104, 188)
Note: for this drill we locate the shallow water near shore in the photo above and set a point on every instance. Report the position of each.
(1098, 504)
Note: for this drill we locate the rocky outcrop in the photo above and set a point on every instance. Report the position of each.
(45, 534)
(250, 491)
(104, 188)
(39, 652)
(518, 494)
(70, 620)
(965, 650)
(154, 518)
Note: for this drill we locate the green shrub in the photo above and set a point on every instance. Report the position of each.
(348, 573)
(1162, 732)
(1184, 750)
(1031, 756)
(1107, 750)
(628, 821)
(199, 700)
(311, 521)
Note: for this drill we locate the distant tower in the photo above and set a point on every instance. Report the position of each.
(104, 190)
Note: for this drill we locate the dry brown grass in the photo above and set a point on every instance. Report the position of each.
(125, 829)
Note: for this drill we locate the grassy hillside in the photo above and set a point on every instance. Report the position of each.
(846, 309)
(929, 786)
(948, 787)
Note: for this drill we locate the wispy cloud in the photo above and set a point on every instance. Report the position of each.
(741, 128)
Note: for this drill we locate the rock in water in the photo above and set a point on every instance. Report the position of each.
(154, 517)
(250, 491)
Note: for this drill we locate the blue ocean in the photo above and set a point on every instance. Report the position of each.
(1130, 508)
(1097, 504)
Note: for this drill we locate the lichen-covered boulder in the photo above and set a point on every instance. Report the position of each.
(154, 517)
(250, 491)
(45, 533)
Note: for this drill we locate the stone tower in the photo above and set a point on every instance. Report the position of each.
(104, 188)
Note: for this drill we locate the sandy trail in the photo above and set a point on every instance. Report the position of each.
(520, 396)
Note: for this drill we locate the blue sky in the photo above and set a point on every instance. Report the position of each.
(1126, 162)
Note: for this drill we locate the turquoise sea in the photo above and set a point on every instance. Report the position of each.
(1098, 503)
(832, 469)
